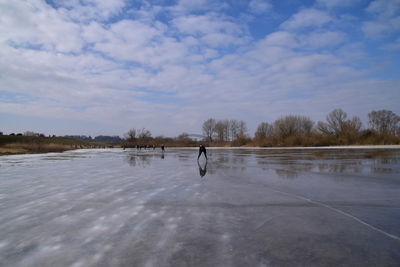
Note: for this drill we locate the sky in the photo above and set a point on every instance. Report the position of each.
(102, 67)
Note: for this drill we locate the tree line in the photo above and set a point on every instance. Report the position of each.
(296, 130)
(292, 130)
(224, 130)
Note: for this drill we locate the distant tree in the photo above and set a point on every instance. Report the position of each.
(233, 129)
(292, 125)
(106, 138)
(324, 128)
(183, 137)
(264, 130)
(384, 121)
(143, 134)
(336, 120)
(352, 127)
(220, 131)
(242, 129)
(337, 124)
(226, 130)
(79, 137)
(209, 128)
(131, 134)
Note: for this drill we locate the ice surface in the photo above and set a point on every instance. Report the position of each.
(243, 207)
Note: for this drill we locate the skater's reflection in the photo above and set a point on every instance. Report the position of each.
(162, 155)
(202, 170)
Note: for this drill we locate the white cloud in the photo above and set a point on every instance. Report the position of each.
(375, 29)
(281, 39)
(386, 18)
(307, 18)
(212, 30)
(394, 45)
(184, 7)
(381, 28)
(322, 39)
(259, 6)
(130, 40)
(95, 32)
(205, 24)
(85, 10)
(139, 72)
(37, 24)
(337, 3)
(308, 41)
(384, 8)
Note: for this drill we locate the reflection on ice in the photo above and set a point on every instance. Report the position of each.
(142, 158)
(202, 168)
(365, 161)
(147, 208)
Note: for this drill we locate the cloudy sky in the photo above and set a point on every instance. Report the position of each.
(104, 66)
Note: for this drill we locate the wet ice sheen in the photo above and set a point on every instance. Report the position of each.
(244, 207)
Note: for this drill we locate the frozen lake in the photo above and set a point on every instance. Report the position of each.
(245, 207)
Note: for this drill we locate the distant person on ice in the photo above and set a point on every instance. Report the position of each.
(202, 149)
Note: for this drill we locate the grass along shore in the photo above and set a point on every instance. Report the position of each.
(13, 144)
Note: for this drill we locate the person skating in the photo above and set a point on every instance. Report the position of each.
(202, 149)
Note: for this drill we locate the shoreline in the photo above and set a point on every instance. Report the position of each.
(314, 147)
(5, 151)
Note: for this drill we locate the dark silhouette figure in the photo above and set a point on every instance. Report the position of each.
(162, 148)
(202, 171)
(202, 149)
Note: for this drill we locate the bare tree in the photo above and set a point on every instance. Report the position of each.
(324, 128)
(143, 134)
(292, 125)
(227, 125)
(337, 124)
(183, 137)
(209, 128)
(220, 131)
(353, 126)
(233, 129)
(264, 130)
(242, 129)
(131, 134)
(306, 124)
(384, 121)
(336, 120)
